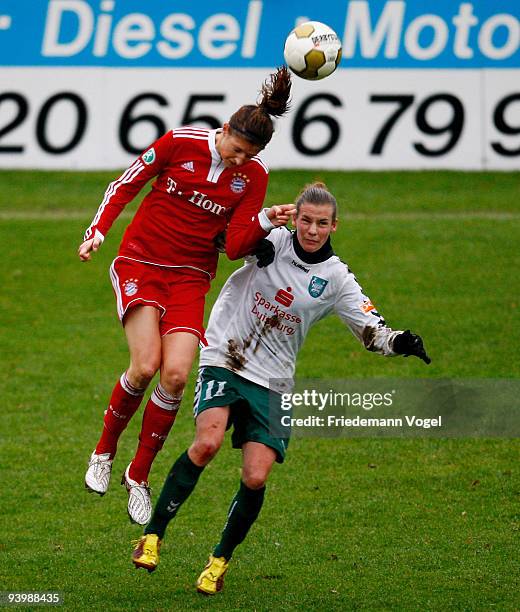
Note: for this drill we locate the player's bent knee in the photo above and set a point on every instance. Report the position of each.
(148, 371)
(174, 381)
(141, 374)
(203, 450)
(254, 480)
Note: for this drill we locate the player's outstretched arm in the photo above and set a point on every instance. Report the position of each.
(243, 236)
(281, 214)
(89, 246)
(408, 344)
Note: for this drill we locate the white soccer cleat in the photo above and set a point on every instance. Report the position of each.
(98, 473)
(139, 499)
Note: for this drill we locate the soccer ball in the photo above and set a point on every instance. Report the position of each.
(312, 50)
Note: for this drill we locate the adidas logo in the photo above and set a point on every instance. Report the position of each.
(188, 166)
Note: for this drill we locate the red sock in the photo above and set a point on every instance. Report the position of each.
(159, 416)
(124, 402)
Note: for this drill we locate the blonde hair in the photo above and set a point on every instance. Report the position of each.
(316, 193)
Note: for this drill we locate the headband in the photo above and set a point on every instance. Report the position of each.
(248, 135)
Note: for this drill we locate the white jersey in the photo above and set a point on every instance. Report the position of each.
(262, 315)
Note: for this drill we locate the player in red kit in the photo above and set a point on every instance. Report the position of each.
(207, 181)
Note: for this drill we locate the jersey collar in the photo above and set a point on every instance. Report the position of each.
(322, 254)
(217, 166)
(215, 155)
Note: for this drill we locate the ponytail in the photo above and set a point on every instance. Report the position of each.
(275, 93)
(253, 121)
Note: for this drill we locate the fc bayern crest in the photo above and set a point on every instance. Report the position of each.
(238, 182)
(317, 286)
(130, 287)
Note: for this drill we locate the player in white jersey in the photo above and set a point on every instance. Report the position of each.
(206, 181)
(255, 331)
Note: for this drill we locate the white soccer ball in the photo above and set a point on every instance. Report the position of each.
(312, 50)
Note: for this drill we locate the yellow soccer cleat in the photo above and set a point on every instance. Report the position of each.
(211, 580)
(146, 551)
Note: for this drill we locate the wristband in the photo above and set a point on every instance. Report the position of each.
(265, 222)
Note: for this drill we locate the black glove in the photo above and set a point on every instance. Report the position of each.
(264, 252)
(410, 344)
(220, 242)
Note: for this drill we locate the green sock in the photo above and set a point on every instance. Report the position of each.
(177, 487)
(243, 512)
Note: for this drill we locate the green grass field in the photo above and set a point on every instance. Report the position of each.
(362, 524)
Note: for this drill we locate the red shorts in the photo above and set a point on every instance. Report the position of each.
(178, 293)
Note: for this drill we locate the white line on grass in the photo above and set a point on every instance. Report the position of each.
(494, 215)
(78, 215)
(54, 215)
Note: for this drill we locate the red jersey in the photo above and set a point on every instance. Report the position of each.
(194, 198)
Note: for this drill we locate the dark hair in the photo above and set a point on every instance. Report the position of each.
(253, 121)
(316, 193)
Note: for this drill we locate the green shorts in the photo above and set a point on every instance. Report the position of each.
(250, 406)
